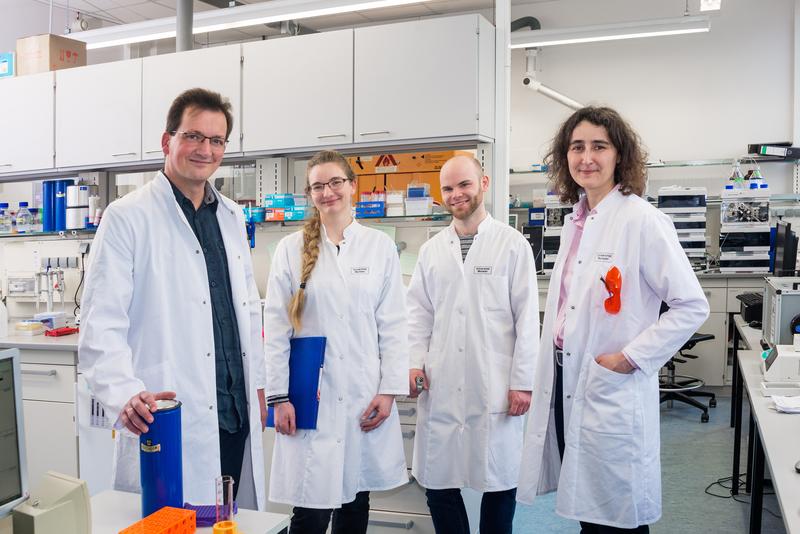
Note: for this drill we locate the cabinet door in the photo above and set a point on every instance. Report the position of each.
(165, 77)
(99, 114)
(416, 80)
(50, 441)
(28, 123)
(298, 91)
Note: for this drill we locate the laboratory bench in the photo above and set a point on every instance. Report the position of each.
(772, 439)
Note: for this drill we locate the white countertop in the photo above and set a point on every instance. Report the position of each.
(113, 511)
(38, 342)
(780, 433)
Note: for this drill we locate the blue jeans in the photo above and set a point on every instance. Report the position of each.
(450, 517)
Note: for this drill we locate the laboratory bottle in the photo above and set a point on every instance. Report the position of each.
(23, 219)
(737, 177)
(5, 221)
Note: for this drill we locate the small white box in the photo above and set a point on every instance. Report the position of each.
(394, 197)
(395, 210)
(419, 206)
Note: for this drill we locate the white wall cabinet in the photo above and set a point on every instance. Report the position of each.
(298, 92)
(165, 77)
(99, 114)
(26, 136)
(424, 79)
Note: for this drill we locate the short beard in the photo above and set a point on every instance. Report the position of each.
(473, 204)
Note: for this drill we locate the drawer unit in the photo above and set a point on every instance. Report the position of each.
(48, 382)
(716, 298)
(409, 431)
(407, 412)
(392, 523)
(409, 498)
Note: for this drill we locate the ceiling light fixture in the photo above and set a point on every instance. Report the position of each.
(610, 32)
(229, 18)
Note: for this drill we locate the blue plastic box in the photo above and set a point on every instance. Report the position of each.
(366, 210)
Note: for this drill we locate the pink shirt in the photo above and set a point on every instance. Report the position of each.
(579, 215)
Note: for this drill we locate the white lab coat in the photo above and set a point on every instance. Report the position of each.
(355, 299)
(611, 473)
(474, 327)
(147, 325)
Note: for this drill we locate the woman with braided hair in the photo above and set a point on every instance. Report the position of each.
(340, 280)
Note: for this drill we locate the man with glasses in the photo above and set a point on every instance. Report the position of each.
(473, 316)
(171, 310)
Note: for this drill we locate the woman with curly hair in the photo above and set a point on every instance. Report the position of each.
(593, 432)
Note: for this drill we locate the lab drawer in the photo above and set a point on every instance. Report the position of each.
(392, 523)
(48, 382)
(409, 431)
(407, 412)
(409, 498)
(716, 298)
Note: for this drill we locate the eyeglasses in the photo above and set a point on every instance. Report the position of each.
(196, 138)
(613, 283)
(334, 183)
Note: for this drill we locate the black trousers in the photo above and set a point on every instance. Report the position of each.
(351, 518)
(586, 528)
(231, 453)
(449, 515)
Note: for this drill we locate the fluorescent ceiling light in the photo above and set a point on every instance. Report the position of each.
(610, 32)
(229, 18)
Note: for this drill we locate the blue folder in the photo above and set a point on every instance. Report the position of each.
(306, 357)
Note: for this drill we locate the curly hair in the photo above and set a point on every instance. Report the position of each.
(630, 172)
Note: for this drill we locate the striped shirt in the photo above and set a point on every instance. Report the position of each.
(466, 243)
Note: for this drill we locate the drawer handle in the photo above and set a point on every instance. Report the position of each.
(405, 525)
(328, 136)
(6, 164)
(146, 152)
(378, 132)
(410, 412)
(409, 435)
(51, 372)
(124, 154)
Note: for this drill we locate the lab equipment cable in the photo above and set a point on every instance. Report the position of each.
(80, 283)
(723, 483)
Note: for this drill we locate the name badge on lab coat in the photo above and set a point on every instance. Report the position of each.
(604, 257)
(359, 270)
(483, 270)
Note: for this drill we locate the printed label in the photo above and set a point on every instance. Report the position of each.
(483, 270)
(604, 257)
(148, 446)
(359, 270)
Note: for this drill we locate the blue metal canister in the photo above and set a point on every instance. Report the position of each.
(160, 459)
(60, 204)
(48, 206)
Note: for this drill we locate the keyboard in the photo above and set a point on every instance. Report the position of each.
(751, 299)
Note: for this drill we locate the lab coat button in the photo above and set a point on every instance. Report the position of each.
(569, 396)
(580, 261)
(341, 399)
(572, 307)
(569, 354)
(204, 302)
(208, 354)
(244, 304)
(213, 283)
(547, 392)
(197, 251)
(244, 355)
(211, 407)
(338, 441)
(460, 349)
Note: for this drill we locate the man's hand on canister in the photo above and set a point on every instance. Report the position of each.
(137, 412)
(518, 402)
(616, 362)
(413, 374)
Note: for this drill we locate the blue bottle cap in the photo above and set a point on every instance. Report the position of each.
(728, 187)
(753, 186)
(23, 204)
(763, 186)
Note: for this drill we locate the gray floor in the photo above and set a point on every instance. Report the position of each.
(693, 455)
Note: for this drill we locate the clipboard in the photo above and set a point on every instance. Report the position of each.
(306, 359)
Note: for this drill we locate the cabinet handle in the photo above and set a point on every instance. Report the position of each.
(123, 154)
(6, 164)
(51, 372)
(409, 412)
(328, 136)
(409, 435)
(405, 525)
(147, 152)
(375, 133)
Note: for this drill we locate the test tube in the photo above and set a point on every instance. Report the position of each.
(224, 498)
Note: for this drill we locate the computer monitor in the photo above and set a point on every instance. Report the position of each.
(13, 465)
(785, 249)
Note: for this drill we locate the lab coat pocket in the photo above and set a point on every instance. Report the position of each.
(494, 293)
(609, 401)
(499, 380)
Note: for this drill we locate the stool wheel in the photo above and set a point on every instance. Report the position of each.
(704, 418)
(712, 403)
